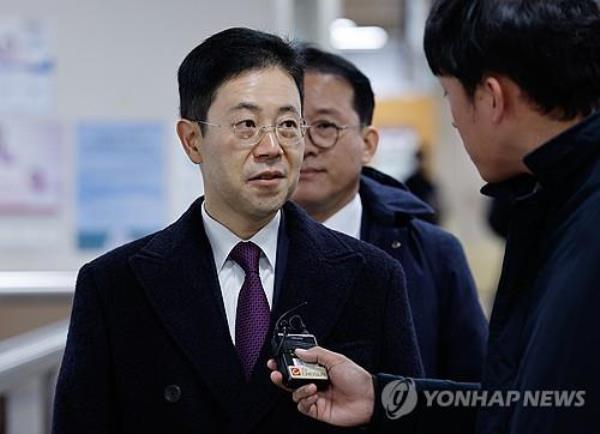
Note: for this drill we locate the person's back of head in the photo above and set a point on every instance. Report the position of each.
(549, 48)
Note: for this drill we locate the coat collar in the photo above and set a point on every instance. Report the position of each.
(555, 165)
(387, 198)
(562, 156)
(176, 269)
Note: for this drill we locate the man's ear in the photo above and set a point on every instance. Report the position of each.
(191, 137)
(496, 96)
(370, 137)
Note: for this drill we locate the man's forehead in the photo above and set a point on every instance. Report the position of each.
(259, 90)
(328, 94)
(327, 109)
(327, 77)
(324, 84)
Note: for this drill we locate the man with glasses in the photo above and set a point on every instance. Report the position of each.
(171, 333)
(336, 189)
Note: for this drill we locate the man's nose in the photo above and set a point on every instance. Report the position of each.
(268, 146)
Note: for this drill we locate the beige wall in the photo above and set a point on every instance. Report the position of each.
(22, 315)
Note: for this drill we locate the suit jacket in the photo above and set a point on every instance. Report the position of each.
(450, 324)
(149, 350)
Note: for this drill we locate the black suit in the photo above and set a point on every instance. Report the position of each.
(149, 349)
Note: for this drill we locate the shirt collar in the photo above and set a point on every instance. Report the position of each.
(347, 220)
(222, 240)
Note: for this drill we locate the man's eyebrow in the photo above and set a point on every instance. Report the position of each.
(288, 108)
(245, 106)
(255, 108)
(328, 111)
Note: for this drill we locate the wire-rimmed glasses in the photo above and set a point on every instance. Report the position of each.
(289, 131)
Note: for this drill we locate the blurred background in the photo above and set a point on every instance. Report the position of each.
(89, 157)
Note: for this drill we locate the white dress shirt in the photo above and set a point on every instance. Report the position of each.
(231, 275)
(348, 219)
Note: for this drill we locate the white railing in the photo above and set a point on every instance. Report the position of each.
(29, 362)
(33, 283)
(28, 368)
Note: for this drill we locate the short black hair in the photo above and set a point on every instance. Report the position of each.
(329, 63)
(225, 55)
(549, 48)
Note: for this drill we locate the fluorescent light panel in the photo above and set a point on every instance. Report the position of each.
(344, 34)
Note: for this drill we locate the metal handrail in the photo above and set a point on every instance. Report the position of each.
(33, 283)
(29, 362)
(31, 353)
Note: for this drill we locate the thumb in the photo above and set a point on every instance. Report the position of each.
(320, 355)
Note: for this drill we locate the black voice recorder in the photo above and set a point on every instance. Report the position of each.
(291, 333)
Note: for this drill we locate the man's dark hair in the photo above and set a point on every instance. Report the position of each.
(549, 48)
(329, 63)
(226, 55)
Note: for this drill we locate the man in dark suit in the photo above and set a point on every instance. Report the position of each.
(522, 78)
(170, 333)
(338, 190)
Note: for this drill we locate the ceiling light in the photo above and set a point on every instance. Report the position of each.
(344, 34)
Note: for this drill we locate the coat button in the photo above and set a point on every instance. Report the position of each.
(172, 393)
(396, 244)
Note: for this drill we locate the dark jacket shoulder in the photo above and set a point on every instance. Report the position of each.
(450, 324)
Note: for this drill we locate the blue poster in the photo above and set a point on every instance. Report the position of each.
(121, 185)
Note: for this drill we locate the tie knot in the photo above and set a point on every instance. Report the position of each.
(246, 254)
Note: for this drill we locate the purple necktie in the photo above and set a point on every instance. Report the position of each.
(253, 313)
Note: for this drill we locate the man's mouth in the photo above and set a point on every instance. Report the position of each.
(267, 176)
(309, 172)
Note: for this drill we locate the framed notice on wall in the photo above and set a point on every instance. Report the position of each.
(31, 170)
(27, 67)
(121, 185)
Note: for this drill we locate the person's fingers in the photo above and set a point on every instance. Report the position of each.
(308, 405)
(321, 356)
(272, 364)
(277, 379)
(304, 392)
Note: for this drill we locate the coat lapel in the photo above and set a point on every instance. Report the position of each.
(178, 274)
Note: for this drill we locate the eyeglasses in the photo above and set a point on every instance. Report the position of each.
(289, 132)
(325, 134)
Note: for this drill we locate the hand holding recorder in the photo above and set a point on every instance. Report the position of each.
(349, 398)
